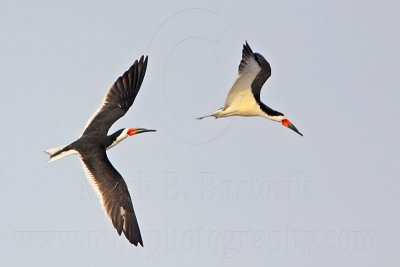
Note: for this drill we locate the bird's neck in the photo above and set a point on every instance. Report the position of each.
(277, 118)
(271, 114)
(117, 137)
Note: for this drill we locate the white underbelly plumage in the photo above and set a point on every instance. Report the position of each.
(244, 104)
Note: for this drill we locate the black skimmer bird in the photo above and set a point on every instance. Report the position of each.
(244, 97)
(92, 145)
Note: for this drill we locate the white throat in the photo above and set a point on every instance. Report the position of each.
(275, 118)
(121, 137)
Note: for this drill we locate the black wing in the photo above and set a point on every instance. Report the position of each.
(254, 70)
(113, 194)
(254, 63)
(118, 99)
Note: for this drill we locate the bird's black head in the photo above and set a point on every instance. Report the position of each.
(121, 134)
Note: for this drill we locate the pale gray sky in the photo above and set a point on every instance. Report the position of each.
(228, 192)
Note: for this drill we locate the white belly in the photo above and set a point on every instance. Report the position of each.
(244, 104)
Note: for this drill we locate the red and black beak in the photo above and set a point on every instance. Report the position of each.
(287, 123)
(133, 131)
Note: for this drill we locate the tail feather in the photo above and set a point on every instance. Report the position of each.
(59, 152)
(200, 118)
(53, 151)
(215, 114)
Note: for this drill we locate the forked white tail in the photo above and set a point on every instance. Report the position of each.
(216, 114)
(59, 152)
(200, 118)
